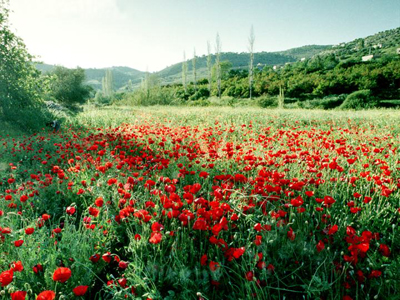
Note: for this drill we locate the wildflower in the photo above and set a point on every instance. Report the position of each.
(80, 290)
(62, 274)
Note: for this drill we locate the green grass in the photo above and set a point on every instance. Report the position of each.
(117, 152)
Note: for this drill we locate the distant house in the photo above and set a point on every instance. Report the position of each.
(398, 51)
(367, 57)
(260, 66)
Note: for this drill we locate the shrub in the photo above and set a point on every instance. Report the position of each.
(325, 103)
(267, 101)
(359, 100)
(202, 93)
(20, 86)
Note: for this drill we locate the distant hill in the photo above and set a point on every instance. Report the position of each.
(239, 61)
(382, 43)
(122, 75)
(305, 51)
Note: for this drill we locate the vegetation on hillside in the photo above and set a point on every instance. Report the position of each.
(21, 105)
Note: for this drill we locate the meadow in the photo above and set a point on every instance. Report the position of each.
(203, 203)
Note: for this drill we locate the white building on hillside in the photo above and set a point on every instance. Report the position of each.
(367, 57)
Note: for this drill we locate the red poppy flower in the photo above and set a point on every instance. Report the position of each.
(107, 257)
(23, 198)
(70, 210)
(122, 282)
(290, 234)
(38, 268)
(99, 202)
(155, 238)
(156, 227)
(333, 230)
(80, 290)
(249, 276)
(238, 252)
(18, 267)
(18, 243)
(62, 274)
(19, 295)
(94, 258)
(46, 295)
(375, 274)
(29, 230)
(384, 249)
(213, 266)
(6, 277)
(258, 240)
(46, 217)
(203, 259)
(320, 246)
(93, 211)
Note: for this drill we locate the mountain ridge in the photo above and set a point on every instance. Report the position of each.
(384, 42)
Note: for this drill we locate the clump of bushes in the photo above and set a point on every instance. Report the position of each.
(329, 102)
(267, 101)
(359, 100)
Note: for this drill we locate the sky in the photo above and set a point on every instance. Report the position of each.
(153, 34)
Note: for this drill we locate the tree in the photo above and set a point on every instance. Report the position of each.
(209, 65)
(68, 86)
(251, 50)
(20, 86)
(108, 84)
(194, 70)
(217, 62)
(184, 71)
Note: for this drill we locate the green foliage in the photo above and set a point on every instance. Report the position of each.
(67, 86)
(267, 101)
(20, 86)
(151, 93)
(201, 93)
(329, 102)
(359, 100)
(101, 99)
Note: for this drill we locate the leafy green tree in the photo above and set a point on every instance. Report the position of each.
(20, 88)
(68, 86)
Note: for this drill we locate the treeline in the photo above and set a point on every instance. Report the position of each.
(316, 78)
(25, 93)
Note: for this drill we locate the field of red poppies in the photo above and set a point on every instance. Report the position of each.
(203, 204)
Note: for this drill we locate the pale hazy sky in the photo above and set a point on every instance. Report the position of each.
(154, 33)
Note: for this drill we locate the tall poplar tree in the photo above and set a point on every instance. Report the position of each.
(194, 70)
(184, 71)
(218, 63)
(209, 65)
(251, 64)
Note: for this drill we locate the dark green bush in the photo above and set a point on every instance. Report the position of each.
(325, 103)
(201, 93)
(359, 100)
(267, 101)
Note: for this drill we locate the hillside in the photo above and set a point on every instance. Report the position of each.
(238, 60)
(382, 43)
(305, 51)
